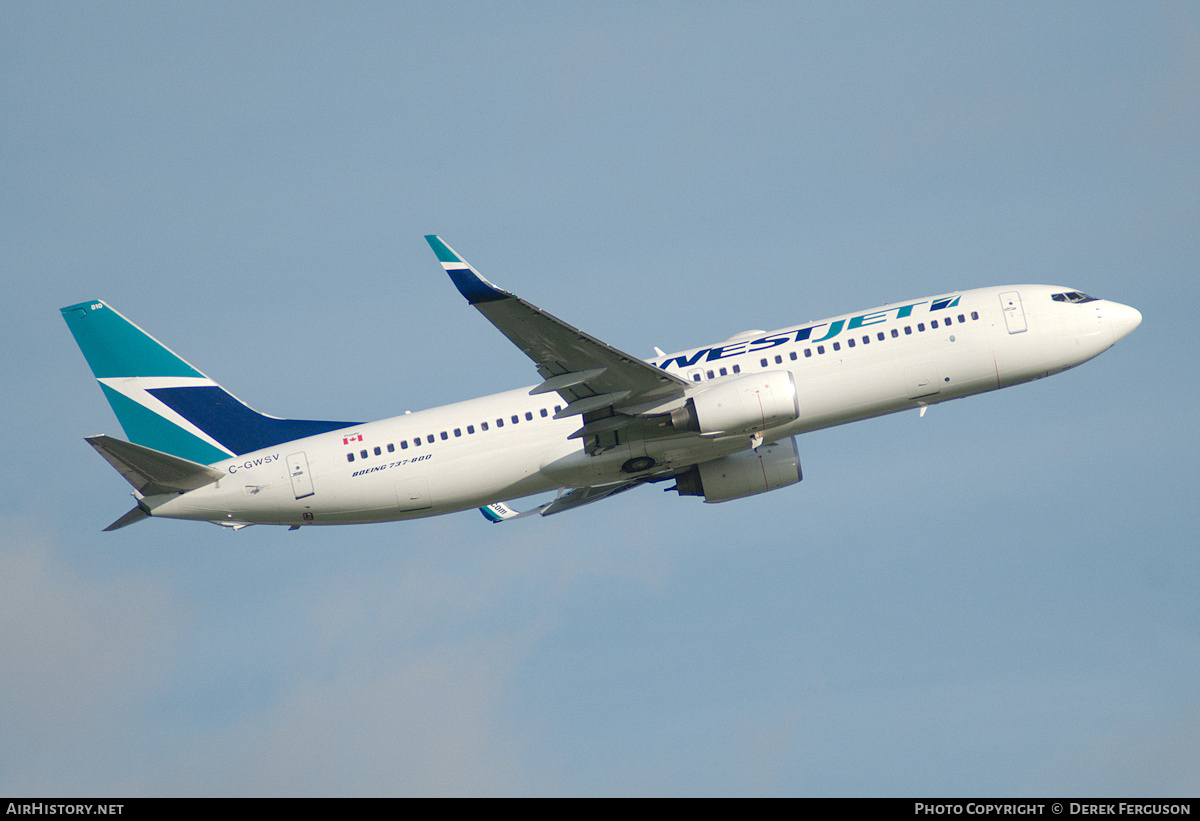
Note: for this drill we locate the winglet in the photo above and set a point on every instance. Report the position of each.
(468, 281)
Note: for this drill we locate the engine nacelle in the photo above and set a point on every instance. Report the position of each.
(752, 402)
(772, 466)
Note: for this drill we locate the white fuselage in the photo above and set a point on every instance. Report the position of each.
(508, 445)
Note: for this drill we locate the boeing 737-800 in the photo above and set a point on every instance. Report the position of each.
(720, 421)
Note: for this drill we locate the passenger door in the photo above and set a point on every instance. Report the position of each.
(302, 485)
(1014, 314)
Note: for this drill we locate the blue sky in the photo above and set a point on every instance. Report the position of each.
(996, 599)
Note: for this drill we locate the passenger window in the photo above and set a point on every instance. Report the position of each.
(820, 349)
(837, 346)
(363, 454)
(710, 374)
(528, 415)
(378, 451)
(866, 340)
(908, 330)
(762, 362)
(516, 419)
(429, 438)
(962, 318)
(921, 326)
(849, 343)
(470, 429)
(349, 457)
(895, 333)
(417, 442)
(808, 351)
(792, 355)
(457, 432)
(737, 368)
(696, 376)
(499, 423)
(483, 426)
(543, 413)
(879, 336)
(391, 448)
(948, 321)
(974, 314)
(778, 359)
(403, 444)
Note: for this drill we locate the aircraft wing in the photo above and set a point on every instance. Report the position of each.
(500, 512)
(596, 380)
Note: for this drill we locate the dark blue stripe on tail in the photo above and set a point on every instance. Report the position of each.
(237, 427)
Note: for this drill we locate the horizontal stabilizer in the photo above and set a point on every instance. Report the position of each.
(135, 515)
(152, 472)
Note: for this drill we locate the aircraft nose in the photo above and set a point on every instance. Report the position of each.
(1123, 320)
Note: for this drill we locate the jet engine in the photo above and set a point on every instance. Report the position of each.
(771, 466)
(752, 402)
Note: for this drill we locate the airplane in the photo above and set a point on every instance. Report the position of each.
(719, 421)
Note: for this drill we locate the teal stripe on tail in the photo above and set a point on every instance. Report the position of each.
(115, 347)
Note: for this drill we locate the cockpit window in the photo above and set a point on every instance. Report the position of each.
(1073, 296)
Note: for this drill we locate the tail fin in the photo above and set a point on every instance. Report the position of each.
(165, 404)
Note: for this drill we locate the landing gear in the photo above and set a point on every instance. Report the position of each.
(637, 464)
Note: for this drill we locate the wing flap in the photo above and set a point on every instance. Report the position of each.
(579, 496)
(606, 424)
(591, 403)
(566, 380)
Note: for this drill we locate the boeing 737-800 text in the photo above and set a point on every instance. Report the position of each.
(720, 421)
